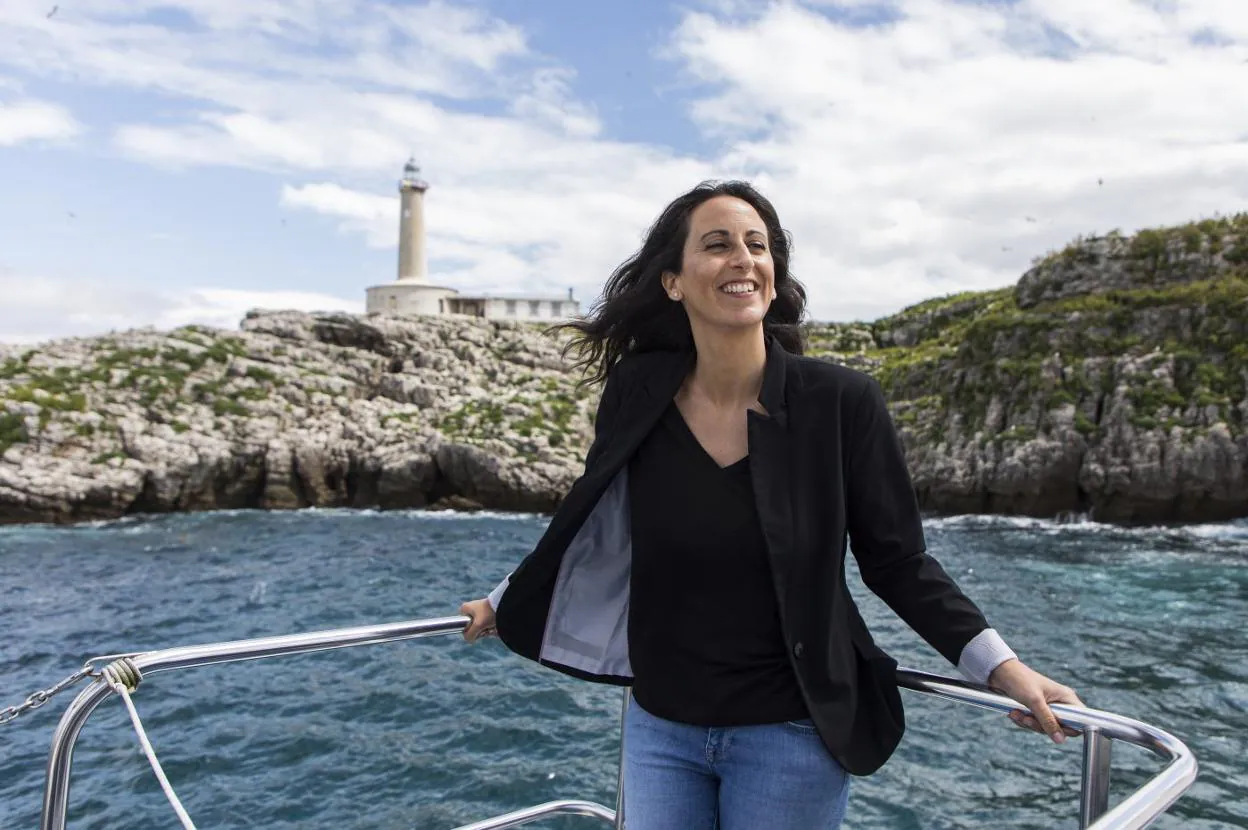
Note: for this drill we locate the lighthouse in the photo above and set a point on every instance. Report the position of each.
(412, 262)
(413, 293)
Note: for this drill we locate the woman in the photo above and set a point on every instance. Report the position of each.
(700, 557)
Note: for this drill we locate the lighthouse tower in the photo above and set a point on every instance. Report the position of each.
(411, 293)
(412, 262)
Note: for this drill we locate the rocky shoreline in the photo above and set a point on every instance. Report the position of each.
(1112, 381)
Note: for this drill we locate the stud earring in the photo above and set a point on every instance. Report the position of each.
(676, 296)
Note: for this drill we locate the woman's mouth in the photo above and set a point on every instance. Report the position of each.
(740, 288)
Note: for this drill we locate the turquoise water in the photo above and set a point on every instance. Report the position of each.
(433, 734)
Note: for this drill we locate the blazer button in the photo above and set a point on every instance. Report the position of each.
(799, 650)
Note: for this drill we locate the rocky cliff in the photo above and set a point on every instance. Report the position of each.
(1111, 381)
(293, 410)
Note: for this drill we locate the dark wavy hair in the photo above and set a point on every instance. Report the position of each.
(634, 313)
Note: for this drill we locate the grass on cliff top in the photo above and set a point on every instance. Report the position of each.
(155, 375)
(969, 318)
(1209, 316)
(942, 320)
(975, 346)
(1225, 235)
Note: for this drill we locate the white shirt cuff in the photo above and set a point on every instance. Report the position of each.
(982, 655)
(496, 596)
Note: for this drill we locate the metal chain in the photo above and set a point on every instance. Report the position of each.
(39, 698)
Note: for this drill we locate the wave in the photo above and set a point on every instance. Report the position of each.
(1234, 532)
(422, 513)
(144, 522)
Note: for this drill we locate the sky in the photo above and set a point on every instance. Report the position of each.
(163, 163)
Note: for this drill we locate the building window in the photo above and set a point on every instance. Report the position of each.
(535, 308)
(511, 308)
(441, 306)
(556, 309)
(394, 302)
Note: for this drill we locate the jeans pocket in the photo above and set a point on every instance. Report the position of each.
(804, 726)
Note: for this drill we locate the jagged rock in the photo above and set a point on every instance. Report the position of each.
(405, 479)
(456, 503)
(280, 490)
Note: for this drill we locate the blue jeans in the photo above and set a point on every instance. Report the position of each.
(773, 777)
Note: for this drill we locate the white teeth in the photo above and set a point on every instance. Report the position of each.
(737, 288)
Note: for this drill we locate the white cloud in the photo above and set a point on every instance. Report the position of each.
(937, 149)
(37, 309)
(945, 150)
(365, 213)
(224, 307)
(550, 102)
(465, 34)
(27, 120)
(434, 48)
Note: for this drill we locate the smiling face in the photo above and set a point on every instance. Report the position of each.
(727, 278)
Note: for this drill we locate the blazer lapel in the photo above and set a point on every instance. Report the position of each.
(644, 406)
(769, 448)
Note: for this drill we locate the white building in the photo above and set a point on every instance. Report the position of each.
(412, 293)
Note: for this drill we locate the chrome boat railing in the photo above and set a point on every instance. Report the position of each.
(1098, 729)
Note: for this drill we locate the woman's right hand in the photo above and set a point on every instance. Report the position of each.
(482, 615)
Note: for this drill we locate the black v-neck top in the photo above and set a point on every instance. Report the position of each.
(704, 634)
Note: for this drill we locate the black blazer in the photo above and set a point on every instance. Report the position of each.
(827, 467)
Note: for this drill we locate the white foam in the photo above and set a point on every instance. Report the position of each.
(1233, 531)
(422, 513)
(455, 515)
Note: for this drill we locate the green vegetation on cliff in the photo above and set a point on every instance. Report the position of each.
(1087, 322)
(1202, 327)
(108, 373)
(1224, 236)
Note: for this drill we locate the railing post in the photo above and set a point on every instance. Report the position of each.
(619, 786)
(1094, 793)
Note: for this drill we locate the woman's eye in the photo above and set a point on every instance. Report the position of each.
(758, 246)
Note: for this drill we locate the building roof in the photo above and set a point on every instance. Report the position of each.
(519, 297)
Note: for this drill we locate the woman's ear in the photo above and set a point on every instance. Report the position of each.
(670, 285)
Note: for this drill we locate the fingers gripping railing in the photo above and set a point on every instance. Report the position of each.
(1136, 811)
(1139, 809)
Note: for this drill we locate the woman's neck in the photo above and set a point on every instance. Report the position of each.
(729, 368)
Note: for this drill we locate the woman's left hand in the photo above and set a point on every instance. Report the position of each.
(1035, 691)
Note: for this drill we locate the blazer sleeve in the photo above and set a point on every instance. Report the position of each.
(886, 538)
(604, 418)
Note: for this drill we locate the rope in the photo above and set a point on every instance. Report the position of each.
(123, 677)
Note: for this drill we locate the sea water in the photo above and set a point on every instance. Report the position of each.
(432, 733)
